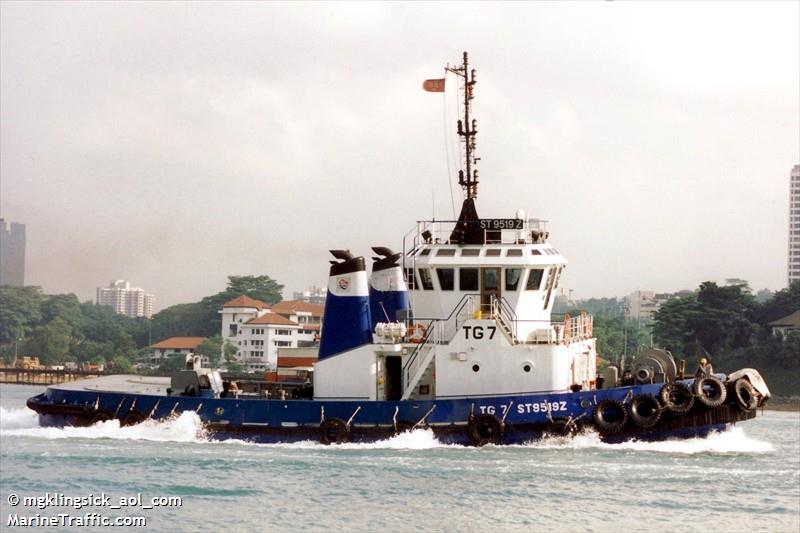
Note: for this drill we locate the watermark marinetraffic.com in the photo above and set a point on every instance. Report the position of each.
(76, 503)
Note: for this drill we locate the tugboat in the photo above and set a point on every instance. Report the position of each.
(454, 333)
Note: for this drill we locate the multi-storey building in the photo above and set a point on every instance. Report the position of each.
(642, 305)
(794, 225)
(314, 295)
(126, 300)
(307, 315)
(12, 254)
(258, 331)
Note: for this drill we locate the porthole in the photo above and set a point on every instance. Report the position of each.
(476, 367)
(527, 367)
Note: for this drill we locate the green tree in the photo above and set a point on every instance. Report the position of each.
(122, 364)
(20, 311)
(172, 362)
(50, 342)
(212, 349)
(202, 319)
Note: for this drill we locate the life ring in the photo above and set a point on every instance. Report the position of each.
(562, 427)
(676, 397)
(746, 395)
(710, 391)
(485, 429)
(132, 418)
(416, 333)
(610, 416)
(334, 431)
(645, 411)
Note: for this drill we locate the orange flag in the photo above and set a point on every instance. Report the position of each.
(434, 86)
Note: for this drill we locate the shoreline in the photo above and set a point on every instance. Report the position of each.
(783, 404)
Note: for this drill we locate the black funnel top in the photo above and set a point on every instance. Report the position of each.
(468, 228)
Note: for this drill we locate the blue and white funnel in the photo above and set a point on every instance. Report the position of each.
(388, 292)
(346, 323)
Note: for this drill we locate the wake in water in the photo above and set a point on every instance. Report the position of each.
(732, 440)
(187, 427)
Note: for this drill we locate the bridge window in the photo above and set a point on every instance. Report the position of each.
(425, 279)
(514, 252)
(471, 252)
(513, 276)
(426, 251)
(493, 252)
(536, 252)
(468, 279)
(446, 252)
(446, 278)
(534, 279)
(411, 279)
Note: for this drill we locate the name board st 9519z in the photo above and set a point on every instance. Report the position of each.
(501, 223)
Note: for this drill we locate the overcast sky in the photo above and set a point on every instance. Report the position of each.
(173, 144)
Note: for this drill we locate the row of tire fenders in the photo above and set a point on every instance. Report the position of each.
(646, 410)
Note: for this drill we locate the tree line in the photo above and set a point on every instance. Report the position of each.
(59, 328)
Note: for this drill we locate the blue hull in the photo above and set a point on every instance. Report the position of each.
(507, 420)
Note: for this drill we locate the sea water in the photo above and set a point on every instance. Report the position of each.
(744, 479)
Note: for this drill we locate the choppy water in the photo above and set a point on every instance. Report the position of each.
(746, 479)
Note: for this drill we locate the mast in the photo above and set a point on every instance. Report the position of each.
(467, 177)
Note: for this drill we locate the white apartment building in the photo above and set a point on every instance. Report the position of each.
(126, 300)
(314, 295)
(258, 331)
(794, 224)
(307, 315)
(642, 305)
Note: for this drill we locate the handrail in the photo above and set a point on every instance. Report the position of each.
(434, 328)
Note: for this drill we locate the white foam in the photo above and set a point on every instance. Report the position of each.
(186, 427)
(18, 418)
(733, 440)
(419, 439)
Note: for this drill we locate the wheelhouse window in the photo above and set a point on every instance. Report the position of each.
(446, 278)
(446, 252)
(468, 279)
(551, 281)
(471, 252)
(493, 252)
(514, 252)
(425, 279)
(534, 279)
(513, 276)
(411, 279)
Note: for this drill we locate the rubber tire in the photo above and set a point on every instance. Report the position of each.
(719, 396)
(605, 424)
(101, 415)
(132, 418)
(334, 431)
(745, 394)
(562, 427)
(640, 410)
(485, 429)
(667, 397)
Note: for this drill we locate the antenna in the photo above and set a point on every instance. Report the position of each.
(468, 178)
